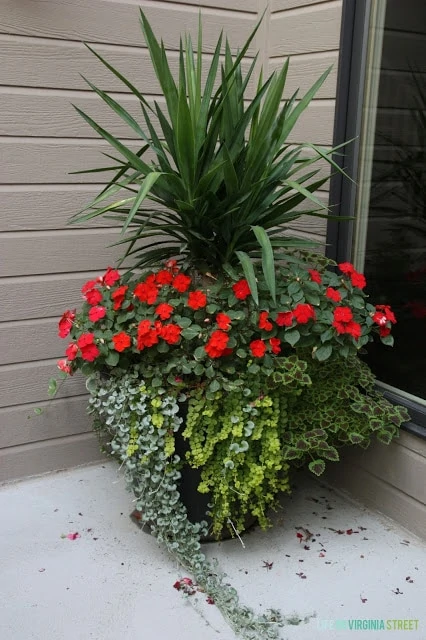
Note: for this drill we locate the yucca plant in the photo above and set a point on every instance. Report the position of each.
(222, 179)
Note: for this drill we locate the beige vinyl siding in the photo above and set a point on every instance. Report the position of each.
(43, 263)
(309, 32)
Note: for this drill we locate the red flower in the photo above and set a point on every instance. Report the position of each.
(223, 321)
(111, 276)
(147, 336)
(65, 323)
(275, 345)
(264, 323)
(346, 267)
(380, 318)
(315, 276)
(93, 296)
(303, 313)
(86, 343)
(64, 366)
(358, 280)
(97, 313)
(258, 348)
(146, 292)
(171, 333)
(164, 311)
(181, 282)
(339, 326)
(285, 319)
(354, 329)
(384, 331)
(172, 265)
(217, 344)
(197, 300)
(163, 277)
(118, 296)
(71, 351)
(121, 341)
(385, 308)
(90, 284)
(241, 289)
(332, 294)
(342, 314)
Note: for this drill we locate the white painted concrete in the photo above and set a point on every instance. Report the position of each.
(116, 583)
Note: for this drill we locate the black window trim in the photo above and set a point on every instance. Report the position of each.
(347, 126)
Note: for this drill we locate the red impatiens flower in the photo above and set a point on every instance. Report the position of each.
(71, 351)
(146, 292)
(275, 345)
(217, 344)
(164, 310)
(303, 313)
(380, 318)
(315, 276)
(65, 323)
(93, 296)
(223, 321)
(86, 343)
(346, 267)
(385, 308)
(332, 294)
(353, 329)
(181, 282)
(170, 333)
(197, 300)
(384, 331)
(264, 322)
(89, 285)
(121, 341)
(118, 296)
(172, 265)
(111, 276)
(146, 336)
(258, 348)
(285, 319)
(163, 277)
(241, 289)
(358, 280)
(97, 313)
(64, 366)
(342, 314)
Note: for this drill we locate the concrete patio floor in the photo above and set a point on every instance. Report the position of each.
(114, 582)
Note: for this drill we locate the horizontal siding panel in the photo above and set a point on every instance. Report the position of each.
(43, 115)
(284, 5)
(20, 159)
(316, 29)
(237, 5)
(30, 340)
(56, 253)
(44, 297)
(58, 65)
(59, 418)
(378, 494)
(118, 22)
(305, 70)
(28, 383)
(43, 457)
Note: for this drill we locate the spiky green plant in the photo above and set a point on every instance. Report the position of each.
(223, 180)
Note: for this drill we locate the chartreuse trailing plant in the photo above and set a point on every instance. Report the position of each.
(215, 166)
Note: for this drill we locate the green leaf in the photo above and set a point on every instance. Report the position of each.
(253, 368)
(200, 353)
(112, 358)
(268, 262)
(317, 466)
(292, 336)
(199, 369)
(355, 438)
(214, 386)
(248, 269)
(331, 454)
(191, 332)
(52, 387)
(38, 411)
(388, 340)
(145, 188)
(323, 352)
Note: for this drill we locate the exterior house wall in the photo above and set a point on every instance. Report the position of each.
(42, 139)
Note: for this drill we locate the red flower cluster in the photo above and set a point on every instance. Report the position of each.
(343, 322)
(86, 343)
(303, 313)
(146, 336)
(164, 311)
(121, 341)
(65, 323)
(111, 276)
(181, 283)
(97, 313)
(284, 318)
(258, 348)
(146, 291)
(332, 294)
(357, 279)
(118, 296)
(197, 300)
(315, 276)
(275, 345)
(264, 322)
(384, 317)
(223, 321)
(217, 344)
(241, 289)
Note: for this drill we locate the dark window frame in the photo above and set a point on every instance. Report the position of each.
(347, 126)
